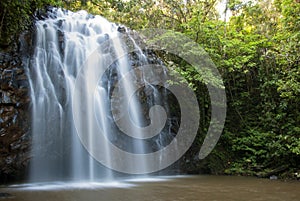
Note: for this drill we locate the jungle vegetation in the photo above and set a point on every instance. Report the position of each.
(256, 50)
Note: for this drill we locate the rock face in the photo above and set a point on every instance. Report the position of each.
(14, 118)
(15, 137)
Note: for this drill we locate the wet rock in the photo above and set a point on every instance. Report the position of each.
(14, 117)
(273, 177)
(60, 23)
(5, 98)
(23, 83)
(60, 35)
(101, 39)
(297, 175)
(5, 195)
(121, 29)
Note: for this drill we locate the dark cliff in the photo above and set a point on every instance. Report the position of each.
(14, 113)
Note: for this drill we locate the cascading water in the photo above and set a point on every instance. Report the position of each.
(64, 43)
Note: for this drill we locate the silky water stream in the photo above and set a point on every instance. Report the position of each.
(71, 104)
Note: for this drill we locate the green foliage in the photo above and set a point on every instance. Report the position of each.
(257, 52)
(263, 66)
(16, 16)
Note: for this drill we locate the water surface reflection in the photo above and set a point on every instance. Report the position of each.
(208, 188)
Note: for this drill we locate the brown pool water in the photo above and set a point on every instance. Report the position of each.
(206, 188)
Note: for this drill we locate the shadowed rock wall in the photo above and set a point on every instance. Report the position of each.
(14, 114)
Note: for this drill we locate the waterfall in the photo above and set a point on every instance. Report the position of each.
(65, 44)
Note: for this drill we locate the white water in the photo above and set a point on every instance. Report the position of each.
(63, 46)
